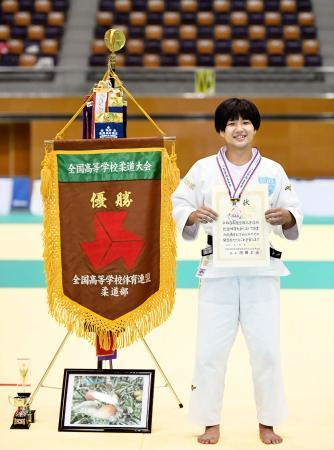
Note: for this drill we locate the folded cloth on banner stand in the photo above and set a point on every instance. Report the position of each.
(109, 236)
(105, 115)
(105, 354)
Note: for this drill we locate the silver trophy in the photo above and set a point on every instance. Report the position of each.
(23, 415)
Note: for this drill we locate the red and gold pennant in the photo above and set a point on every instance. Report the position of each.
(109, 236)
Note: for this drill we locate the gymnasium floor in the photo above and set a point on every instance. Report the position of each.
(307, 297)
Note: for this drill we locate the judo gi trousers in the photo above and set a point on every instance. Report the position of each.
(223, 304)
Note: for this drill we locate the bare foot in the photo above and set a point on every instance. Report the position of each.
(268, 436)
(210, 436)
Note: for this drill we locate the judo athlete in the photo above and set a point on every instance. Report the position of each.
(230, 296)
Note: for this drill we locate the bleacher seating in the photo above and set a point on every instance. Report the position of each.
(31, 31)
(221, 33)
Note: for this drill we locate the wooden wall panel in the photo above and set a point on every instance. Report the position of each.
(313, 153)
(302, 146)
(167, 104)
(4, 150)
(14, 149)
(21, 149)
(45, 130)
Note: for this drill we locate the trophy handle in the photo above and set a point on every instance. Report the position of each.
(23, 402)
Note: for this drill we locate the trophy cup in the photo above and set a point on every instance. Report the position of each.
(23, 415)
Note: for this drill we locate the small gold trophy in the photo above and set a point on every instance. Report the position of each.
(114, 40)
(23, 415)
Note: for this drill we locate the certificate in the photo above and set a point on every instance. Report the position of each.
(241, 233)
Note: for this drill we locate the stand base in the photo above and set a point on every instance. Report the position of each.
(20, 423)
(23, 423)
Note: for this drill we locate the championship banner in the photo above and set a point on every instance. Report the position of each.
(109, 236)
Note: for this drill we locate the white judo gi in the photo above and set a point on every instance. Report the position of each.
(229, 296)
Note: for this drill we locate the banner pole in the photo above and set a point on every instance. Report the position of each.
(40, 383)
(164, 376)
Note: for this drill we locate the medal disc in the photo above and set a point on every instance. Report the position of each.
(114, 40)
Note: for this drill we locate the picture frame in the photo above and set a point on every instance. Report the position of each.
(107, 400)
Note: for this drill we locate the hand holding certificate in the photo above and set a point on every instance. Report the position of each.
(241, 234)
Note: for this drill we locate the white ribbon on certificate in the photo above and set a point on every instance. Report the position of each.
(241, 233)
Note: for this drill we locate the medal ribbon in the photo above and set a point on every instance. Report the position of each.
(235, 192)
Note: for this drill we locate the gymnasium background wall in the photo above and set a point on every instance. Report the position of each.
(297, 132)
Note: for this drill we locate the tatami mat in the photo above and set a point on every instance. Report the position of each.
(307, 337)
(27, 330)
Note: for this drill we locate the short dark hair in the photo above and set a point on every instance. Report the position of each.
(232, 108)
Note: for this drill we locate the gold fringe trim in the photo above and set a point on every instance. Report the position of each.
(82, 321)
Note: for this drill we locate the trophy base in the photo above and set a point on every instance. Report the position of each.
(23, 416)
(31, 416)
(20, 423)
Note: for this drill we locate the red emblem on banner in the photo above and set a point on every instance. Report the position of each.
(112, 241)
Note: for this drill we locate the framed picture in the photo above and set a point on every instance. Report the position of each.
(107, 400)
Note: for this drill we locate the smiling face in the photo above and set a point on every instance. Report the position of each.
(239, 134)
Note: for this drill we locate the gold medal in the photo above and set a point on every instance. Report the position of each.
(235, 200)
